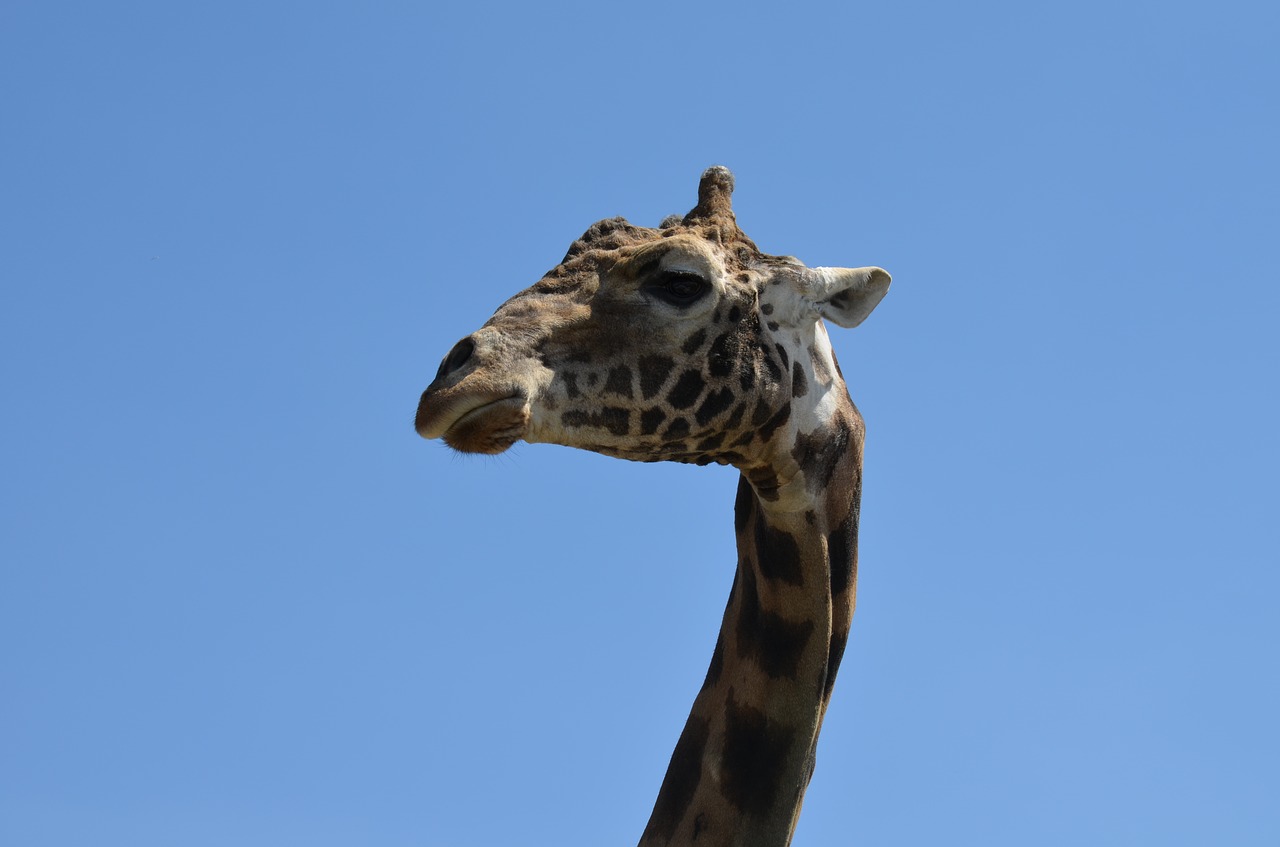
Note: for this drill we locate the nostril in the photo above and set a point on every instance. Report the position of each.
(457, 357)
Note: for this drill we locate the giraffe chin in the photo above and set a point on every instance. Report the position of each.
(491, 428)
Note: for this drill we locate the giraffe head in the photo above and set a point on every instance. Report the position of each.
(681, 343)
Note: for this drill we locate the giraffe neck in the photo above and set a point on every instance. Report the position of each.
(743, 761)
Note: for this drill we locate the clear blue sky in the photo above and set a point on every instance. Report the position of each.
(243, 603)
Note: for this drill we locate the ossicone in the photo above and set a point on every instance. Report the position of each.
(715, 191)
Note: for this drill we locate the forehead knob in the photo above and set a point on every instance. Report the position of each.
(714, 192)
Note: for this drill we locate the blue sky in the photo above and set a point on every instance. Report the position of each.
(241, 602)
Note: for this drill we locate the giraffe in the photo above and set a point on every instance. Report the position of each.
(686, 343)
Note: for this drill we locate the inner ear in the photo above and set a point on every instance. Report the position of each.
(845, 296)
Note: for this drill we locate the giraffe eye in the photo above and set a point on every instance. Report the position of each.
(680, 288)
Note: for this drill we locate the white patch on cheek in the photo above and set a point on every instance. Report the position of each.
(545, 406)
(825, 409)
(822, 348)
(823, 400)
(804, 336)
(790, 309)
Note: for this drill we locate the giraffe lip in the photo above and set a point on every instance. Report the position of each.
(482, 410)
(456, 416)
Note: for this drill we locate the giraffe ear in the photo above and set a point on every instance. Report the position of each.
(845, 296)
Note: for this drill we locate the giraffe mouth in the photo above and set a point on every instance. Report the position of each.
(479, 423)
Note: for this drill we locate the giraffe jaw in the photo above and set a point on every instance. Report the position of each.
(474, 423)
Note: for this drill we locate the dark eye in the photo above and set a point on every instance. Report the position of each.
(680, 288)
